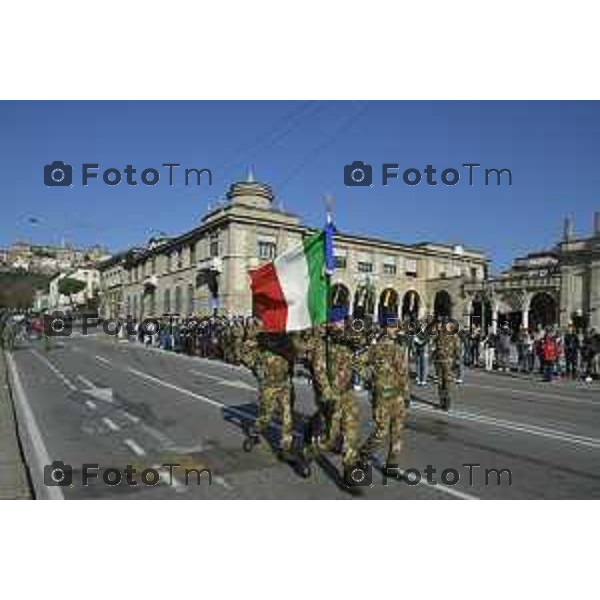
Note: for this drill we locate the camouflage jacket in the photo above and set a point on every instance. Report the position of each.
(386, 365)
(445, 347)
(271, 369)
(337, 379)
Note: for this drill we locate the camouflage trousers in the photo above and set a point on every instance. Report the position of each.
(342, 419)
(389, 415)
(272, 399)
(443, 372)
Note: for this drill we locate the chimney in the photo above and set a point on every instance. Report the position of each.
(568, 229)
(597, 223)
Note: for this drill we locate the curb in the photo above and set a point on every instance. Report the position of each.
(15, 482)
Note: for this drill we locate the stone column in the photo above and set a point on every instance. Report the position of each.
(494, 323)
(594, 288)
(566, 296)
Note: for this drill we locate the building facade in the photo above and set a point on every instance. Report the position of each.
(558, 287)
(205, 270)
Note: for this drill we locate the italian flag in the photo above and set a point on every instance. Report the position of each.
(290, 293)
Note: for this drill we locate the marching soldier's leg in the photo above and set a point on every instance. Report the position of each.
(287, 425)
(396, 419)
(265, 410)
(380, 426)
(349, 429)
(447, 383)
(333, 419)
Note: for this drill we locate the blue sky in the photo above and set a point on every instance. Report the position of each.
(300, 148)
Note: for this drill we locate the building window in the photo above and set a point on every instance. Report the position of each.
(389, 269)
(365, 267)
(473, 272)
(340, 262)
(267, 250)
(168, 264)
(167, 301)
(410, 267)
(192, 254)
(214, 249)
(180, 258)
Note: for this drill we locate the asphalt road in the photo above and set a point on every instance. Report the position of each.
(97, 401)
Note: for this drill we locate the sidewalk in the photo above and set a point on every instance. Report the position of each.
(14, 481)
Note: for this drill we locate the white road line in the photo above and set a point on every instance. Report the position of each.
(41, 456)
(102, 359)
(111, 424)
(90, 404)
(131, 417)
(207, 375)
(516, 392)
(236, 383)
(183, 391)
(562, 436)
(86, 382)
(62, 377)
(135, 447)
(246, 414)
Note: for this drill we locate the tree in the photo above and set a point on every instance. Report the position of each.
(68, 286)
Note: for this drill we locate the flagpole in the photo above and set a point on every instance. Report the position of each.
(329, 224)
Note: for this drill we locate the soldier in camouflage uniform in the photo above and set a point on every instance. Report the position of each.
(269, 358)
(386, 365)
(444, 354)
(332, 362)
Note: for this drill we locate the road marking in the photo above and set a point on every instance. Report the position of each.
(62, 377)
(562, 398)
(102, 359)
(85, 381)
(135, 447)
(90, 404)
(104, 394)
(555, 434)
(110, 424)
(41, 456)
(208, 376)
(131, 417)
(246, 414)
(236, 383)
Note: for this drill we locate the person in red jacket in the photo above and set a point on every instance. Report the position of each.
(549, 354)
